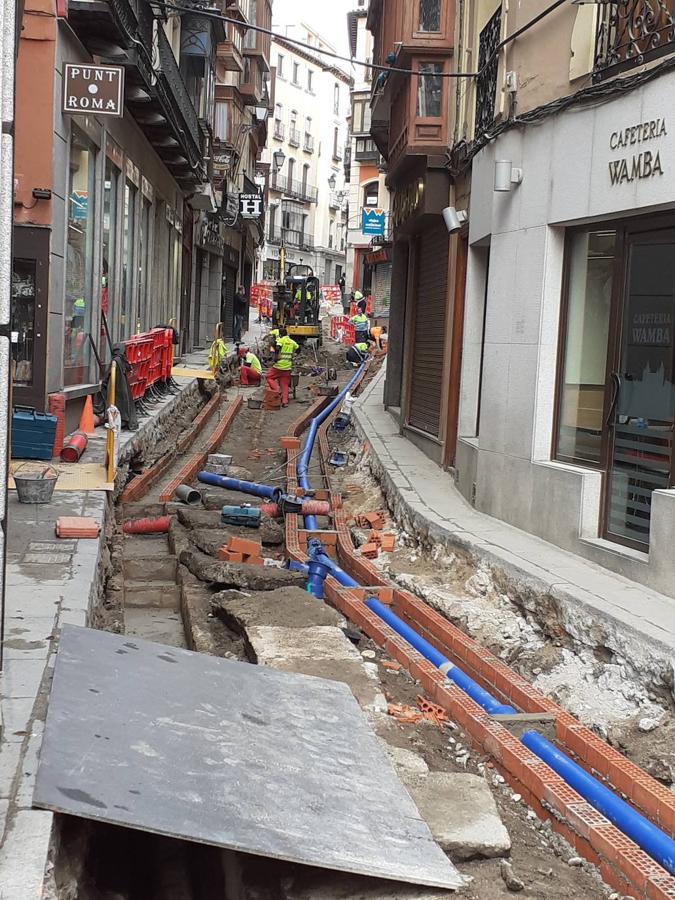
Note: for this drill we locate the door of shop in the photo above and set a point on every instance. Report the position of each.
(426, 362)
(640, 392)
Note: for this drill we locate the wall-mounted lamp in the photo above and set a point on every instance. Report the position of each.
(261, 113)
(454, 218)
(506, 175)
(279, 159)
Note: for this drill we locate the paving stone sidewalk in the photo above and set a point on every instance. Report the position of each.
(596, 605)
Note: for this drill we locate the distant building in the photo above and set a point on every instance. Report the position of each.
(369, 254)
(307, 197)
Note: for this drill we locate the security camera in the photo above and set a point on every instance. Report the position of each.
(454, 219)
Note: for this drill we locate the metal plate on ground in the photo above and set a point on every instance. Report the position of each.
(230, 754)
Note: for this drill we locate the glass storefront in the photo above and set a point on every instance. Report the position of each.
(589, 295)
(79, 261)
(109, 241)
(24, 292)
(127, 312)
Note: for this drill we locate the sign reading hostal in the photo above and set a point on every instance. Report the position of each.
(250, 206)
(93, 89)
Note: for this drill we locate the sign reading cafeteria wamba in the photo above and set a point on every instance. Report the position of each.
(642, 161)
(93, 89)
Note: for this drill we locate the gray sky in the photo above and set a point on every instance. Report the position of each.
(328, 17)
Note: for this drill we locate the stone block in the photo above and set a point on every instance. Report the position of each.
(286, 607)
(461, 813)
(23, 855)
(270, 644)
(406, 762)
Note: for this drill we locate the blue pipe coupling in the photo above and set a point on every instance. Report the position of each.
(635, 826)
(246, 487)
(318, 572)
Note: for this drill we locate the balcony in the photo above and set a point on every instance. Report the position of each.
(486, 83)
(308, 145)
(155, 92)
(294, 137)
(229, 52)
(279, 130)
(291, 237)
(366, 151)
(300, 190)
(631, 34)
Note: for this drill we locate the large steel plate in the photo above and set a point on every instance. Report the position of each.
(224, 753)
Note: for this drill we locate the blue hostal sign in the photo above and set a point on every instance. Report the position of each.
(372, 221)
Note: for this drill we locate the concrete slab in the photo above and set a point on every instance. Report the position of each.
(348, 671)
(23, 855)
(407, 763)
(270, 644)
(288, 607)
(461, 813)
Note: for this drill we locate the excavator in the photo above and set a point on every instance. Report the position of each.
(297, 302)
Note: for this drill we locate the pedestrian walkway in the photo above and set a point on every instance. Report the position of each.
(596, 607)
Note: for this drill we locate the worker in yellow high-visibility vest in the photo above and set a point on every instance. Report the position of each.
(280, 373)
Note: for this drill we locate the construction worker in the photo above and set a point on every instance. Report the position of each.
(356, 298)
(250, 370)
(378, 335)
(280, 373)
(358, 353)
(301, 304)
(360, 322)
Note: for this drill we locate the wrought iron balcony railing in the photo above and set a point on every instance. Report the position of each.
(486, 83)
(292, 237)
(631, 33)
(173, 92)
(292, 188)
(279, 130)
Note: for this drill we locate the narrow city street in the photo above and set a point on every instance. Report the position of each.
(337, 412)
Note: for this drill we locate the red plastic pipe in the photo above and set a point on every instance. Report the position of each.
(159, 525)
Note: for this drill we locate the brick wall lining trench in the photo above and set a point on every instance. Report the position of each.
(621, 863)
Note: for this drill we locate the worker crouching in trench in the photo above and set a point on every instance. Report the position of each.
(280, 373)
(250, 368)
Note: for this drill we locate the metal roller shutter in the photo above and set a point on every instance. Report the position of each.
(382, 289)
(228, 307)
(429, 330)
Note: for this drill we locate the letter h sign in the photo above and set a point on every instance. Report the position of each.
(250, 206)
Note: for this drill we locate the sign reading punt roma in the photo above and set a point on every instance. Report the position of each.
(97, 90)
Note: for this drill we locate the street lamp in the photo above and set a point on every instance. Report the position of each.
(279, 159)
(332, 182)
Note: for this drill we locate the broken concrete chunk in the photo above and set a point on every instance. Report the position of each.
(406, 762)
(291, 607)
(513, 884)
(317, 642)
(254, 578)
(461, 813)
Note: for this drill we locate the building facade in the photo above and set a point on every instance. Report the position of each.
(369, 235)
(118, 225)
(411, 125)
(567, 396)
(307, 199)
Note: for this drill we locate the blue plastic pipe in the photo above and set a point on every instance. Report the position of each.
(489, 703)
(318, 572)
(302, 467)
(647, 836)
(316, 552)
(246, 487)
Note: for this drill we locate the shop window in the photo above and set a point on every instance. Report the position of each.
(430, 15)
(24, 292)
(144, 257)
(79, 260)
(590, 268)
(430, 90)
(127, 312)
(251, 35)
(109, 248)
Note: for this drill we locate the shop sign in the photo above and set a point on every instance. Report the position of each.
(93, 89)
(133, 173)
(407, 201)
(79, 204)
(372, 221)
(210, 236)
(639, 163)
(250, 206)
(147, 189)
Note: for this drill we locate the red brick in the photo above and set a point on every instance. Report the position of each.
(253, 560)
(388, 543)
(228, 556)
(661, 887)
(370, 551)
(244, 546)
(289, 443)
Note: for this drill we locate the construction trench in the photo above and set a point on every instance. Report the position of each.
(508, 820)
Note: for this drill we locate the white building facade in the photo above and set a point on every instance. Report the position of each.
(307, 198)
(568, 368)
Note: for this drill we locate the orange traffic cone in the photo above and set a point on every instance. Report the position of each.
(87, 418)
